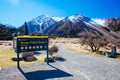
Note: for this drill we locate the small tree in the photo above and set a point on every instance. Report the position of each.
(94, 40)
(52, 50)
(26, 32)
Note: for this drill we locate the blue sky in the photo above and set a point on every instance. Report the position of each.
(16, 12)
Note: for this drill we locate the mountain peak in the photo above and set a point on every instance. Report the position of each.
(78, 17)
(58, 18)
(43, 16)
(40, 23)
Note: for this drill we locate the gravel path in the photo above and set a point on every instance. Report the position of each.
(90, 67)
(71, 66)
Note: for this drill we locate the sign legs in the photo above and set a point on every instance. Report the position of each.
(47, 57)
(18, 61)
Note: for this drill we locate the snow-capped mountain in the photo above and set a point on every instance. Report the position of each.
(75, 24)
(71, 25)
(40, 23)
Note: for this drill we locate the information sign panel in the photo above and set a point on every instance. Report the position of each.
(31, 43)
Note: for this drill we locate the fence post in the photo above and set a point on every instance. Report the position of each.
(113, 50)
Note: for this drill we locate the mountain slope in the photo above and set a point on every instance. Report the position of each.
(71, 26)
(66, 27)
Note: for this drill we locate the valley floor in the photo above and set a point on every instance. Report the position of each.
(70, 66)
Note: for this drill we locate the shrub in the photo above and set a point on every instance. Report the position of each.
(53, 49)
(115, 42)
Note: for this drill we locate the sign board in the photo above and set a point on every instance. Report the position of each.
(31, 43)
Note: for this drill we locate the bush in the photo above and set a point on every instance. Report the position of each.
(53, 49)
(115, 42)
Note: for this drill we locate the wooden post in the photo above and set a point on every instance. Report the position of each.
(47, 52)
(113, 50)
(47, 57)
(18, 62)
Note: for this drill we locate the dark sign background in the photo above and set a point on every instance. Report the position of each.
(31, 44)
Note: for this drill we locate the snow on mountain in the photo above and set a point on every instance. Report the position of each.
(57, 18)
(72, 18)
(96, 27)
(99, 21)
(78, 17)
(40, 23)
(91, 23)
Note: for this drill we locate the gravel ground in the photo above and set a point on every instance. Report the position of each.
(71, 66)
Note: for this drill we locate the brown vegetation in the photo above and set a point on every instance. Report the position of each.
(115, 42)
(95, 41)
(53, 49)
(114, 24)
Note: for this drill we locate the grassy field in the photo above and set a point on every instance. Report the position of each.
(6, 55)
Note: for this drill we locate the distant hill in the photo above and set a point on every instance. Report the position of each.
(6, 33)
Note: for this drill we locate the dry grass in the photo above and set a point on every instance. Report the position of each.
(79, 48)
(86, 49)
(74, 45)
(6, 54)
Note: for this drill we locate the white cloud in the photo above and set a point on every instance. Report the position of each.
(14, 2)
